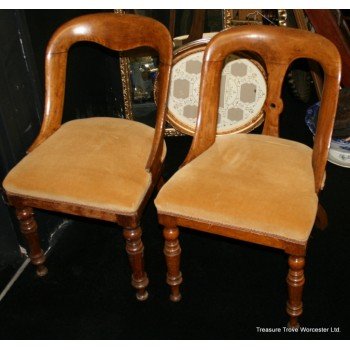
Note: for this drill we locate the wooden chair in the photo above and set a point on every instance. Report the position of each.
(256, 188)
(99, 167)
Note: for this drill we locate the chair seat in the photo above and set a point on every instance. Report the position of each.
(256, 183)
(95, 162)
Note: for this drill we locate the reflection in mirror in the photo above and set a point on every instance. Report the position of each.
(240, 17)
(196, 24)
(186, 27)
(138, 72)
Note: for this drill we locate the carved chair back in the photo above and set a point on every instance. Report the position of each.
(277, 48)
(119, 32)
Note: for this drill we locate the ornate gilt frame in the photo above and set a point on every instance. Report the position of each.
(124, 62)
(227, 18)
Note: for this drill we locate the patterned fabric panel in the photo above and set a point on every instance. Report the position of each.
(242, 95)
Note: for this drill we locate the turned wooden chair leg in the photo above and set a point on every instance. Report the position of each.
(134, 248)
(29, 229)
(172, 252)
(321, 221)
(295, 281)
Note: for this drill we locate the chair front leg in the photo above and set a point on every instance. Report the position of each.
(172, 252)
(29, 229)
(295, 281)
(134, 248)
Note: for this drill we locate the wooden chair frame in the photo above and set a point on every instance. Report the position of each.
(278, 48)
(119, 32)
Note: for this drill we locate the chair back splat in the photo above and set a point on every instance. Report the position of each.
(278, 48)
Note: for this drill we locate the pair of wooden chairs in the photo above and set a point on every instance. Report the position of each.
(255, 188)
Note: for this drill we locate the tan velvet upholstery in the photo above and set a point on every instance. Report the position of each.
(94, 162)
(256, 183)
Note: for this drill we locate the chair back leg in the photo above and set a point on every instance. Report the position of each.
(321, 221)
(29, 229)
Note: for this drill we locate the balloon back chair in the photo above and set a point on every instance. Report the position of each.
(184, 91)
(97, 167)
(256, 188)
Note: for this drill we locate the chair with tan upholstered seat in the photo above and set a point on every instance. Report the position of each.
(256, 188)
(98, 167)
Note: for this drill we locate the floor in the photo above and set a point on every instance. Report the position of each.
(230, 288)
